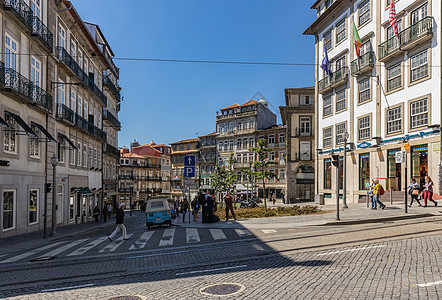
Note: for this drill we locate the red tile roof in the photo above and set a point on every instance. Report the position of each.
(230, 106)
(250, 102)
(186, 141)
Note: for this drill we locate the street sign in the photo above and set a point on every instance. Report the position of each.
(401, 156)
(189, 171)
(189, 160)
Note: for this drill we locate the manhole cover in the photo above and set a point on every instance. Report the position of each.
(222, 289)
(126, 298)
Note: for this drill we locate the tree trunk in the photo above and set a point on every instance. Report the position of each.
(264, 192)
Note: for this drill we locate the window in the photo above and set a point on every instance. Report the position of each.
(90, 157)
(33, 206)
(327, 108)
(340, 63)
(364, 130)
(99, 159)
(306, 100)
(305, 128)
(364, 93)
(239, 126)
(365, 48)
(73, 101)
(220, 146)
(60, 92)
(85, 109)
(181, 147)
(328, 3)
(61, 37)
(419, 113)
(9, 141)
(238, 144)
(72, 156)
(281, 138)
(340, 100)
(364, 171)
(188, 146)
(34, 145)
(328, 39)
(35, 71)
(95, 158)
(231, 127)
(251, 142)
(245, 144)
(61, 150)
(10, 53)
(36, 8)
(271, 139)
(8, 209)
(327, 173)
(231, 145)
(419, 66)
(80, 57)
(78, 154)
(85, 156)
(271, 156)
(305, 151)
(226, 145)
(419, 14)
(364, 12)
(394, 120)
(390, 33)
(340, 30)
(73, 48)
(340, 130)
(394, 77)
(327, 137)
(79, 106)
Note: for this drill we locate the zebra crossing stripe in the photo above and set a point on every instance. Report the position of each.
(114, 245)
(30, 253)
(142, 240)
(192, 235)
(268, 230)
(217, 234)
(243, 232)
(64, 248)
(88, 247)
(167, 239)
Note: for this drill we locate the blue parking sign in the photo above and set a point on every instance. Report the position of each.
(189, 160)
(189, 171)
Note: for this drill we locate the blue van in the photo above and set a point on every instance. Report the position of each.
(158, 212)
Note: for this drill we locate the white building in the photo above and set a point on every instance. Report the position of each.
(392, 94)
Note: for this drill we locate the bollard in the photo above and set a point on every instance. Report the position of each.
(391, 196)
(368, 200)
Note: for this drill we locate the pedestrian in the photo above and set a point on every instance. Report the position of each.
(96, 213)
(210, 208)
(414, 190)
(377, 192)
(428, 191)
(202, 200)
(196, 208)
(370, 194)
(184, 208)
(104, 213)
(119, 220)
(109, 210)
(274, 199)
(229, 205)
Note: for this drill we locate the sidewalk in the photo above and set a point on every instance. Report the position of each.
(356, 213)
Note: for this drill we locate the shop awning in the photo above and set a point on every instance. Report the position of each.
(88, 190)
(22, 124)
(45, 132)
(67, 140)
(79, 190)
(3, 122)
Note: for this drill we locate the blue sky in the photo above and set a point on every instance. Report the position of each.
(167, 102)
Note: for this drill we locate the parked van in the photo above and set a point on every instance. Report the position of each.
(158, 212)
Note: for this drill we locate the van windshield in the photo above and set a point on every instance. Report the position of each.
(157, 204)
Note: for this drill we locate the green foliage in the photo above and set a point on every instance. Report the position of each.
(261, 212)
(224, 178)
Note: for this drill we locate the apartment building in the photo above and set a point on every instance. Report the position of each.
(385, 101)
(51, 104)
(207, 159)
(299, 116)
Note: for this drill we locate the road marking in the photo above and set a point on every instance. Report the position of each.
(142, 240)
(211, 270)
(67, 288)
(351, 250)
(64, 248)
(258, 247)
(243, 232)
(217, 234)
(192, 235)
(114, 245)
(430, 283)
(1, 255)
(30, 253)
(88, 247)
(268, 230)
(167, 238)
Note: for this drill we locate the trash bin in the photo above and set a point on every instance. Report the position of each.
(319, 199)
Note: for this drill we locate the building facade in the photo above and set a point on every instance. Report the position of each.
(207, 159)
(388, 100)
(52, 103)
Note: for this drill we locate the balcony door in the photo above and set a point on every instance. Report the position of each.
(305, 126)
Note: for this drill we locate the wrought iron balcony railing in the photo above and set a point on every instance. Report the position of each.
(325, 84)
(67, 59)
(22, 9)
(388, 47)
(107, 115)
(109, 149)
(89, 127)
(107, 82)
(40, 29)
(65, 113)
(364, 63)
(81, 122)
(340, 76)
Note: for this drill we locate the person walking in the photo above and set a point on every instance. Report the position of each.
(428, 191)
(274, 199)
(202, 200)
(377, 192)
(104, 213)
(210, 209)
(184, 208)
(109, 210)
(414, 190)
(370, 194)
(229, 205)
(119, 220)
(96, 213)
(196, 209)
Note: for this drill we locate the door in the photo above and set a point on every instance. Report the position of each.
(59, 206)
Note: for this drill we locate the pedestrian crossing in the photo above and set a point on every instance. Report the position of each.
(136, 241)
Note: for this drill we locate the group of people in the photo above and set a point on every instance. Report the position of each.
(416, 192)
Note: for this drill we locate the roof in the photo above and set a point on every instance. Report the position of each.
(274, 127)
(311, 29)
(209, 135)
(302, 88)
(186, 141)
(230, 106)
(184, 152)
(250, 102)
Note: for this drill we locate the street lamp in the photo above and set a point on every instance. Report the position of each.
(344, 172)
(54, 163)
(131, 185)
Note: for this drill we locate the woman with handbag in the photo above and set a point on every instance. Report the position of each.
(414, 190)
(428, 191)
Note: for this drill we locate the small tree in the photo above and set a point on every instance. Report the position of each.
(250, 173)
(261, 164)
(224, 178)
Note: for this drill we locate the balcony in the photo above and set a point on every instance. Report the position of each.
(408, 38)
(43, 34)
(124, 190)
(340, 77)
(363, 64)
(111, 150)
(72, 65)
(109, 84)
(237, 115)
(24, 89)
(64, 113)
(108, 116)
(305, 132)
(89, 127)
(324, 85)
(125, 176)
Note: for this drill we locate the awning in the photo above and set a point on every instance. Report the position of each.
(88, 191)
(78, 190)
(45, 132)
(3, 122)
(22, 124)
(67, 140)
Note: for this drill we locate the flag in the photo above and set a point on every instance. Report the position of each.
(392, 18)
(326, 63)
(357, 40)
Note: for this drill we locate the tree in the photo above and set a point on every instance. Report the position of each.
(251, 179)
(261, 164)
(224, 178)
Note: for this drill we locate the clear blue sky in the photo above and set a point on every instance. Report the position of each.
(167, 102)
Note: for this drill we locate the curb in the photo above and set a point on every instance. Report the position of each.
(378, 220)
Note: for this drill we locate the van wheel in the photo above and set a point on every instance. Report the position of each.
(149, 226)
(170, 224)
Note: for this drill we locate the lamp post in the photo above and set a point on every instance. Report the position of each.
(131, 185)
(344, 173)
(54, 163)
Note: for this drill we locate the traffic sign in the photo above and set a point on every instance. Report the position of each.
(189, 160)
(189, 171)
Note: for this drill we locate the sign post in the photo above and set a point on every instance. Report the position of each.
(189, 172)
(401, 157)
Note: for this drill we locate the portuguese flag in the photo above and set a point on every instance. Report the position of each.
(357, 40)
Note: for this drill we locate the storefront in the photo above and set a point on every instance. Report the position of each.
(393, 171)
(327, 173)
(419, 163)
(364, 171)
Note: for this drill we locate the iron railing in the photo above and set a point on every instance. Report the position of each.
(107, 82)
(22, 9)
(65, 113)
(340, 75)
(43, 32)
(366, 60)
(89, 127)
(107, 115)
(109, 149)
(324, 83)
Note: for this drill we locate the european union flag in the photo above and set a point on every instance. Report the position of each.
(326, 63)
